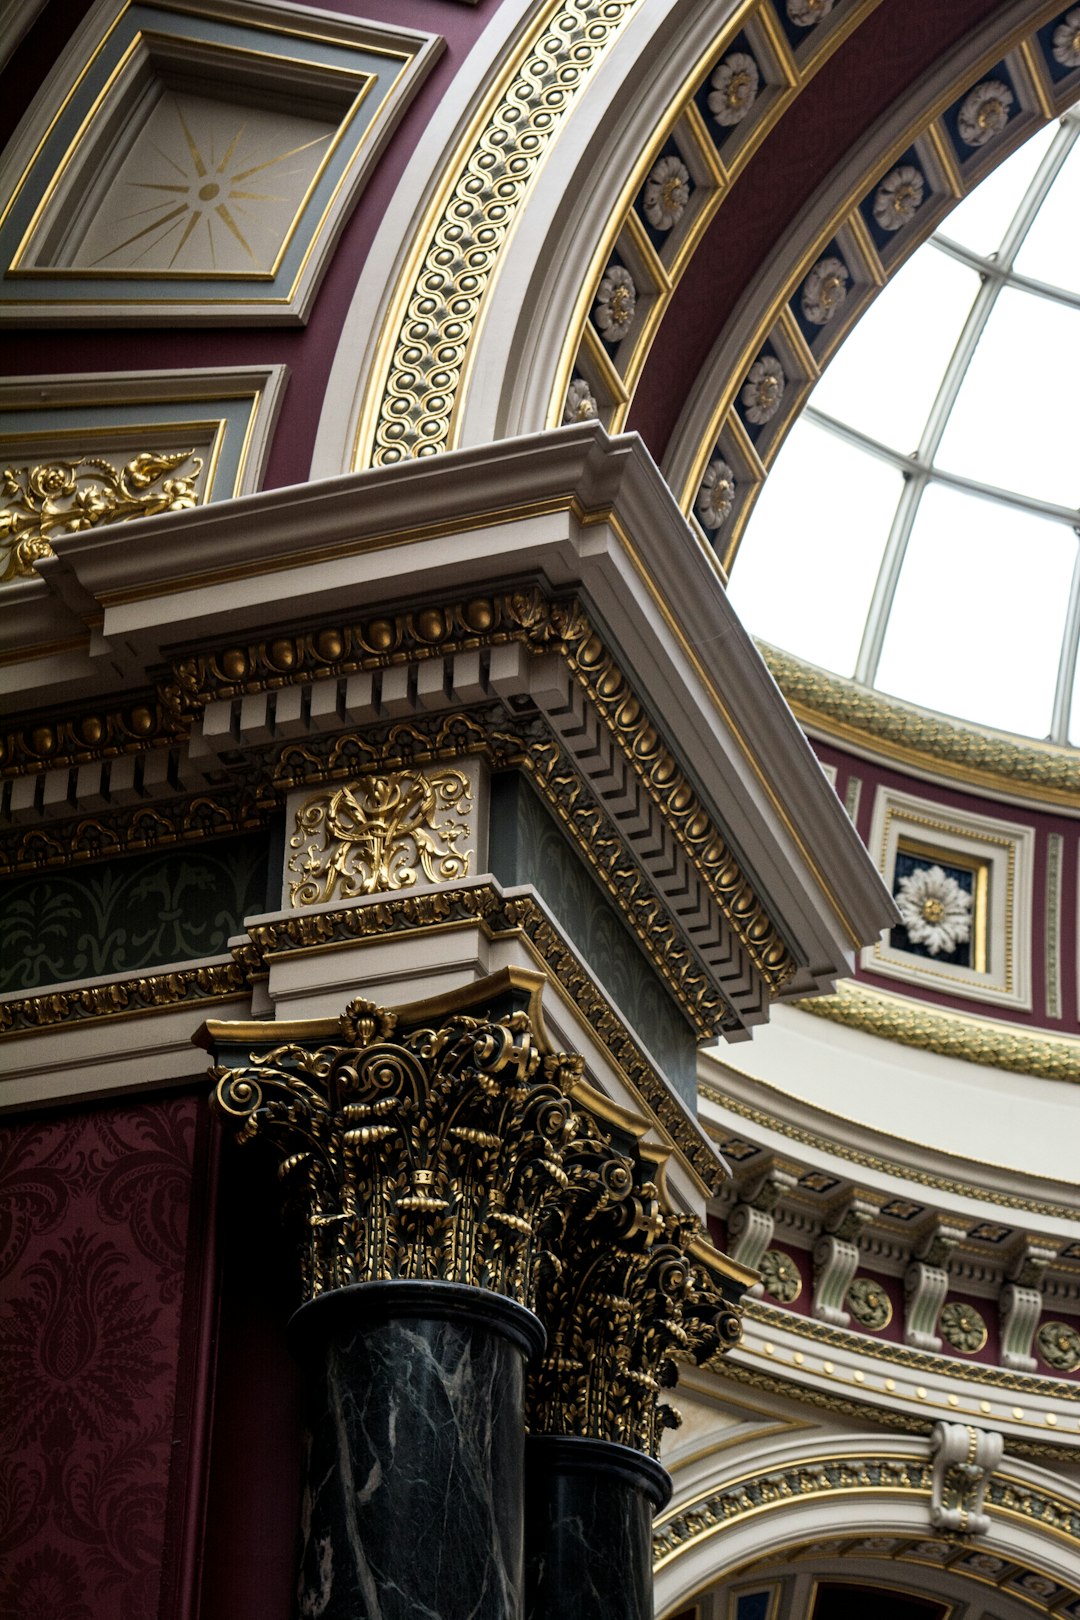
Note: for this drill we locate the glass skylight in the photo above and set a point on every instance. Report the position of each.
(919, 531)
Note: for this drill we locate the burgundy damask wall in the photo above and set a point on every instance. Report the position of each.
(94, 1218)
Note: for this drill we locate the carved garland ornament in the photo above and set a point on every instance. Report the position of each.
(377, 833)
(62, 497)
(460, 1152)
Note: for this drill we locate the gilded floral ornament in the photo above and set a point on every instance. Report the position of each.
(63, 497)
(667, 192)
(780, 1276)
(899, 197)
(735, 85)
(380, 832)
(962, 1326)
(716, 497)
(1065, 44)
(984, 112)
(580, 403)
(869, 1304)
(808, 13)
(934, 909)
(825, 290)
(1059, 1345)
(615, 304)
(763, 389)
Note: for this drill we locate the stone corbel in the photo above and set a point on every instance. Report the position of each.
(1020, 1306)
(836, 1260)
(752, 1222)
(926, 1283)
(964, 1459)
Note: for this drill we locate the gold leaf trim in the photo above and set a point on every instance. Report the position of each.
(975, 755)
(957, 1035)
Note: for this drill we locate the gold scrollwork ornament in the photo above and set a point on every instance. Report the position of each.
(1059, 1346)
(869, 1304)
(62, 497)
(780, 1276)
(962, 1326)
(380, 833)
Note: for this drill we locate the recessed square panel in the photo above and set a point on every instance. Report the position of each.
(198, 169)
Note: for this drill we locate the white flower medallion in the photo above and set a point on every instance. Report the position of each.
(667, 192)
(580, 405)
(935, 910)
(716, 497)
(763, 389)
(808, 13)
(985, 112)
(824, 290)
(615, 304)
(734, 88)
(1066, 42)
(899, 197)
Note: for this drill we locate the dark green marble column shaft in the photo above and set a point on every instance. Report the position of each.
(413, 1504)
(589, 1508)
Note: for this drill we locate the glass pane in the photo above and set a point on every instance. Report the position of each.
(885, 375)
(982, 219)
(1014, 422)
(979, 613)
(1049, 249)
(805, 571)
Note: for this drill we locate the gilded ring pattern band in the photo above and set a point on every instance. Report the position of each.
(443, 304)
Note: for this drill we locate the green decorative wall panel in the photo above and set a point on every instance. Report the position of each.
(126, 915)
(528, 846)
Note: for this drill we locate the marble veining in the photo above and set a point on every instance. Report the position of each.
(413, 1508)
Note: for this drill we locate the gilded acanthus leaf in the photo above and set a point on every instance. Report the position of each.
(62, 497)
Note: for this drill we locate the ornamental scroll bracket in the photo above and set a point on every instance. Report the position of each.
(446, 1141)
(964, 1459)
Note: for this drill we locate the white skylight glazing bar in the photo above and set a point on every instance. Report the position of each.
(919, 469)
(1066, 676)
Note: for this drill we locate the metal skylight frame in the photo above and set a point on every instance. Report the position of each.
(919, 470)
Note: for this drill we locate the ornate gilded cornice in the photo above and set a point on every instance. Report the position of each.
(1025, 1386)
(499, 917)
(869, 721)
(987, 1041)
(216, 814)
(63, 497)
(146, 993)
(874, 1161)
(527, 616)
(630, 1291)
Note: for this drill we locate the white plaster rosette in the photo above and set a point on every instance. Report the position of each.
(615, 304)
(734, 90)
(667, 192)
(716, 497)
(935, 910)
(824, 290)
(580, 405)
(763, 389)
(985, 112)
(1065, 44)
(808, 13)
(899, 197)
